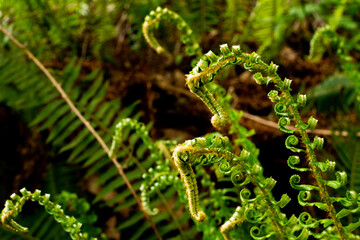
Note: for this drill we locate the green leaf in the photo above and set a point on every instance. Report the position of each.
(132, 220)
(94, 88)
(46, 112)
(55, 116)
(78, 139)
(61, 127)
(116, 183)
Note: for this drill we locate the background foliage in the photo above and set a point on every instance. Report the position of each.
(97, 51)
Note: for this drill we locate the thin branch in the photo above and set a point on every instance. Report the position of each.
(268, 123)
(84, 121)
(271, 124)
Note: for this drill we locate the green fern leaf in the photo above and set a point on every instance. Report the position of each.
(335, 92)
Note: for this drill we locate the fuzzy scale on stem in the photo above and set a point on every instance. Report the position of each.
(188, 176)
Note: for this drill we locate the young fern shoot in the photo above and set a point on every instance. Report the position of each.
(14, 207)
(287, 108)
(152, 23)
(262, 211)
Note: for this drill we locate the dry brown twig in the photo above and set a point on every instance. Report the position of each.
(262, 121)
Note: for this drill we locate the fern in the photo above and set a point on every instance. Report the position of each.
(267, 23)
(21, 84)
(254, 213)
(236, 19)
(324, 40)
(327, 38)
(14, 207)
(347, 150)
(45, 227)
(334, 93)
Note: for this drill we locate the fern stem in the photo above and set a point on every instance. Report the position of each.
(236, 220)
(324, 195)
(84, 121)
(354, 166)
(273, 209)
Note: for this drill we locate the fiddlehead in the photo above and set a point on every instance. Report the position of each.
(152, 23)
(292, 141)
(205, 152)
(283, 123)
(14, 207)
(158, 179)
(189, 179)
(292, 161)
(140, 129)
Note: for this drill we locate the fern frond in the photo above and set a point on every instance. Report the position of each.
(334, 93)
(152, 23)
(236, 17)
(324, 39)
(130, 131)
(13, 208)
(265, 25)
(22, 85)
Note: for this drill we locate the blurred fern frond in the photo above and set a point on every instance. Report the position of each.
(348, 152)
(334, 93)
(268, 22)
(235, 19)
(53, 29)
(203, 15)
(59, 179)
(22, 87)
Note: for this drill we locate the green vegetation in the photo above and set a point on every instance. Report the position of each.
(111, 176)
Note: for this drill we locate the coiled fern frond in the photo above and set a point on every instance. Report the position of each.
(286, 107)
(156, 170)
(14, 207)
(152, 23)
(267, 23)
